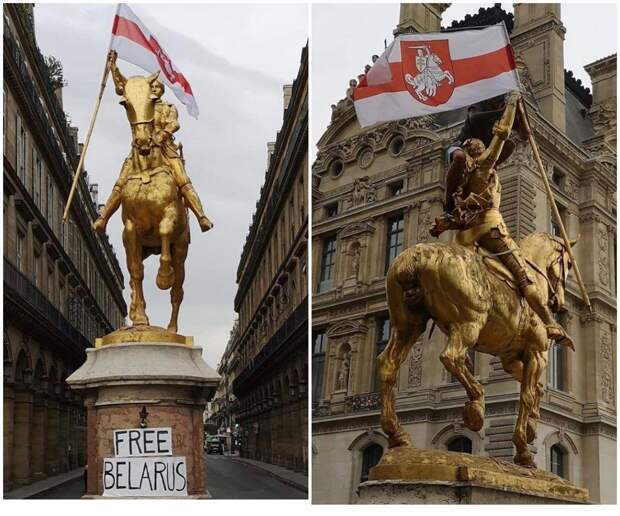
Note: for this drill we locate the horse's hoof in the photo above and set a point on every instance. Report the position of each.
(165, 279)
(473, 415)
(400, 438)
(172, 329)
(531, 431)
(525, 460)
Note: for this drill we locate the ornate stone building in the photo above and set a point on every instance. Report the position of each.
(377, 190)
(270, 353)
(62, 282)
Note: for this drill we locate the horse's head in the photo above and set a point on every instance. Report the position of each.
(550, 254)
(138, 97)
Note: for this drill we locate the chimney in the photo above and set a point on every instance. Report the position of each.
(288, 91)
(94, 193)
(538, 38)
(419, 18)
(270, 148)
(73, 133)
(80, 147)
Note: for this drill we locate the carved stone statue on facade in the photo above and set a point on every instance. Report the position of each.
(354, 251)
(363, 191)
(345, 103)
(342, 381)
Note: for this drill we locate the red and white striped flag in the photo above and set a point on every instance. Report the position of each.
(422, 74)
(135, 44)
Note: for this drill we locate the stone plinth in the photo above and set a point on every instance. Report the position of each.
(170, 380)
(411, 476)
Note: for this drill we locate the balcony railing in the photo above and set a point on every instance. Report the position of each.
(30, 295)
(298, 318)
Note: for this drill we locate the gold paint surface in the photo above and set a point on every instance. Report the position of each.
(131, 334)
(408, 463)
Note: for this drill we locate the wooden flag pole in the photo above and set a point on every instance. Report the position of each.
(76, 177)
(554, 208)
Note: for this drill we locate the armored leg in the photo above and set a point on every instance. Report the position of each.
(189, 194)
(499, 241)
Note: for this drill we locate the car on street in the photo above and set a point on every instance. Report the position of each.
(214, 445)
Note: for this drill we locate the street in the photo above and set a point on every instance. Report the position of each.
(227, 479)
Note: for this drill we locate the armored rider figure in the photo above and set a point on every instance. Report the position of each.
(166, 123)
(473, 198)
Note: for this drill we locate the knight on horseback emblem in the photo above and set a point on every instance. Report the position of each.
(430, 71)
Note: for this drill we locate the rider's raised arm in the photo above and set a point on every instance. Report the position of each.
(501, 131)
(117, 76)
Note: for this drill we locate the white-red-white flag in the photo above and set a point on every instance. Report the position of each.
(135, 44)
(421, 74)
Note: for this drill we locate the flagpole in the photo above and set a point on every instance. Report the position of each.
(554, 208)
(78, 170)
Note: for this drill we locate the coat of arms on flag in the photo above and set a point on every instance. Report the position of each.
(427, 70)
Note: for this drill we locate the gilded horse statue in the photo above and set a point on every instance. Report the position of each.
(484, 292)
(154, 211)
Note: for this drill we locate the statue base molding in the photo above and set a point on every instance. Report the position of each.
(407, 475)
(145, 385)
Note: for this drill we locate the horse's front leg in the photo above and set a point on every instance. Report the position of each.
(133, 250)
(534, 363)
(462, 338)
(179, 254)
(165, 274)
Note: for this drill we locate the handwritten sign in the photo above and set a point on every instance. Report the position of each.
(144, 476)
(143, 465)
(143, 442)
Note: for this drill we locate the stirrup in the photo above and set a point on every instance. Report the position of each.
(556, 333)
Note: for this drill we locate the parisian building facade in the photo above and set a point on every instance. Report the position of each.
(62, 282)
(268, 358)
(377, 190)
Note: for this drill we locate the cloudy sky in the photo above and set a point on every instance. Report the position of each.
(344, 37)
(237, 58)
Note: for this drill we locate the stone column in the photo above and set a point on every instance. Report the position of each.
(39, 436)
(63, 436)
(22, 428)
(9, 401)
(53, 429)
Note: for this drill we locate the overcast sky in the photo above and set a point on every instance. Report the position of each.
(345, 36)
(237, 59)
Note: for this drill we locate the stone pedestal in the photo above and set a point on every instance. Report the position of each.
(412, 476)
(171, 380)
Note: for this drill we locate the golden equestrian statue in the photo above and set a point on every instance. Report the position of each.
(154, 192)
(483, 291)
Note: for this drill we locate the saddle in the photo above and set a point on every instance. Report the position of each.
(496, 267)
(147, 175)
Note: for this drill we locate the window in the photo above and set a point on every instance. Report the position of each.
(558, 465)
(460, 444)
(37, 270)
(37, 179)
(383, 336)
(395, 235)
(21, 149)
(319, 348)
(554, 228)
(557, 177)
(331, 210)
(336, 167)
(328, 261)
(397, 144)
(50, 201)
(21, 241)
(395, 188)
(50, 284)
(370, 458)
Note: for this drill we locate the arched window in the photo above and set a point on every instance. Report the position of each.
(460, 444)
(558, 461)
(370, 458)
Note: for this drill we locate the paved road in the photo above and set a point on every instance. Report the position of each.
(70, 491)
(228, 480)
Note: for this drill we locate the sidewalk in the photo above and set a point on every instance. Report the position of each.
(286, 476)
(41, 486)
